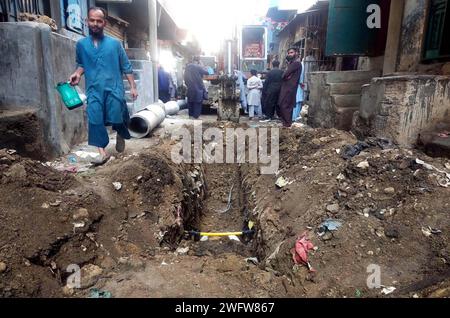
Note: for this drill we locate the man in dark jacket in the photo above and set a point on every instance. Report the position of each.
(193, 78)
(289, 87)
(271, 90)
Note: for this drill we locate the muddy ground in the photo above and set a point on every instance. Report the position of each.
(133, 241)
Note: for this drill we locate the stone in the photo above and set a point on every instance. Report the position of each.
(132, 262)
(81, 214)
(90, 274)
(55, 204)
(108, 263)
(45, 205)
(67, 291)
(333, 208)
(327, 236)
(389, 190)
(391, 232)
(182, 251)
(231, 264)
(3, 267)
(446, 69)
(16, 172)
(363, 165)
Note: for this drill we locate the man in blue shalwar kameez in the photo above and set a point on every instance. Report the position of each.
(103, 61)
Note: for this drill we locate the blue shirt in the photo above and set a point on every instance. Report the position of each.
(104, 67)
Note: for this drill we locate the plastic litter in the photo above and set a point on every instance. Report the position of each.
(252, 260)
(300, 252)
(329, 225)
(117, 186)
(388, 290)
(351, 151)
(96, 293)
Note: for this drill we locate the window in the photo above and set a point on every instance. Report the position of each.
(436, 43)
(74, 13)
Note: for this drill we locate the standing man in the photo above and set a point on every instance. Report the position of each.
(271, 90)
(289, 86)
(163, 84)
(103, 61)
(193, 77)
(300, 97)
(254, 85)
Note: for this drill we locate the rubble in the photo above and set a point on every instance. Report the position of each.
(3, 267)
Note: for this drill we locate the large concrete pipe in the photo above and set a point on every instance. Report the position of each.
(143, 122)
(172, 108)
(182, 103)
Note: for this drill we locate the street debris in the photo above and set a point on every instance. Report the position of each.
(351, 151)
(117, 186)
(56, 203)
(234, 238)
(86, 154)
(72, 159)
(428, 231)
(388, 290)
(182, 251)
(389, 190)
(96, 293)
(329, 225)
(300, 252)
(252, 260)
(282, 182)
(78, 225)
(333, 208)
(363, 165)
(444, 180)
(3, 267)
(45, 205)
(229, 201)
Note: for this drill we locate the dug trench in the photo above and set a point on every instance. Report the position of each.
(131, 239)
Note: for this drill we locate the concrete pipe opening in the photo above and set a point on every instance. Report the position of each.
(138, 127)
(142, 123)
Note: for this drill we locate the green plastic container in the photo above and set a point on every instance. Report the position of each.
(71, 96)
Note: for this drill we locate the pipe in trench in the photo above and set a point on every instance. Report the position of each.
(144, 122)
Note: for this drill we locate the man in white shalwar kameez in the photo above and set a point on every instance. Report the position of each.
(254, 85)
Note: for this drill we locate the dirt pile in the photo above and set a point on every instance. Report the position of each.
(393, 213)
(51, 220)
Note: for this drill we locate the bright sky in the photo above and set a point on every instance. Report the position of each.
(212, 21)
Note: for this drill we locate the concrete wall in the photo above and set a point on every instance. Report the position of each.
(412, 35)
(412, 39)
(33, 61)
(335, 96)
(400, 107)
